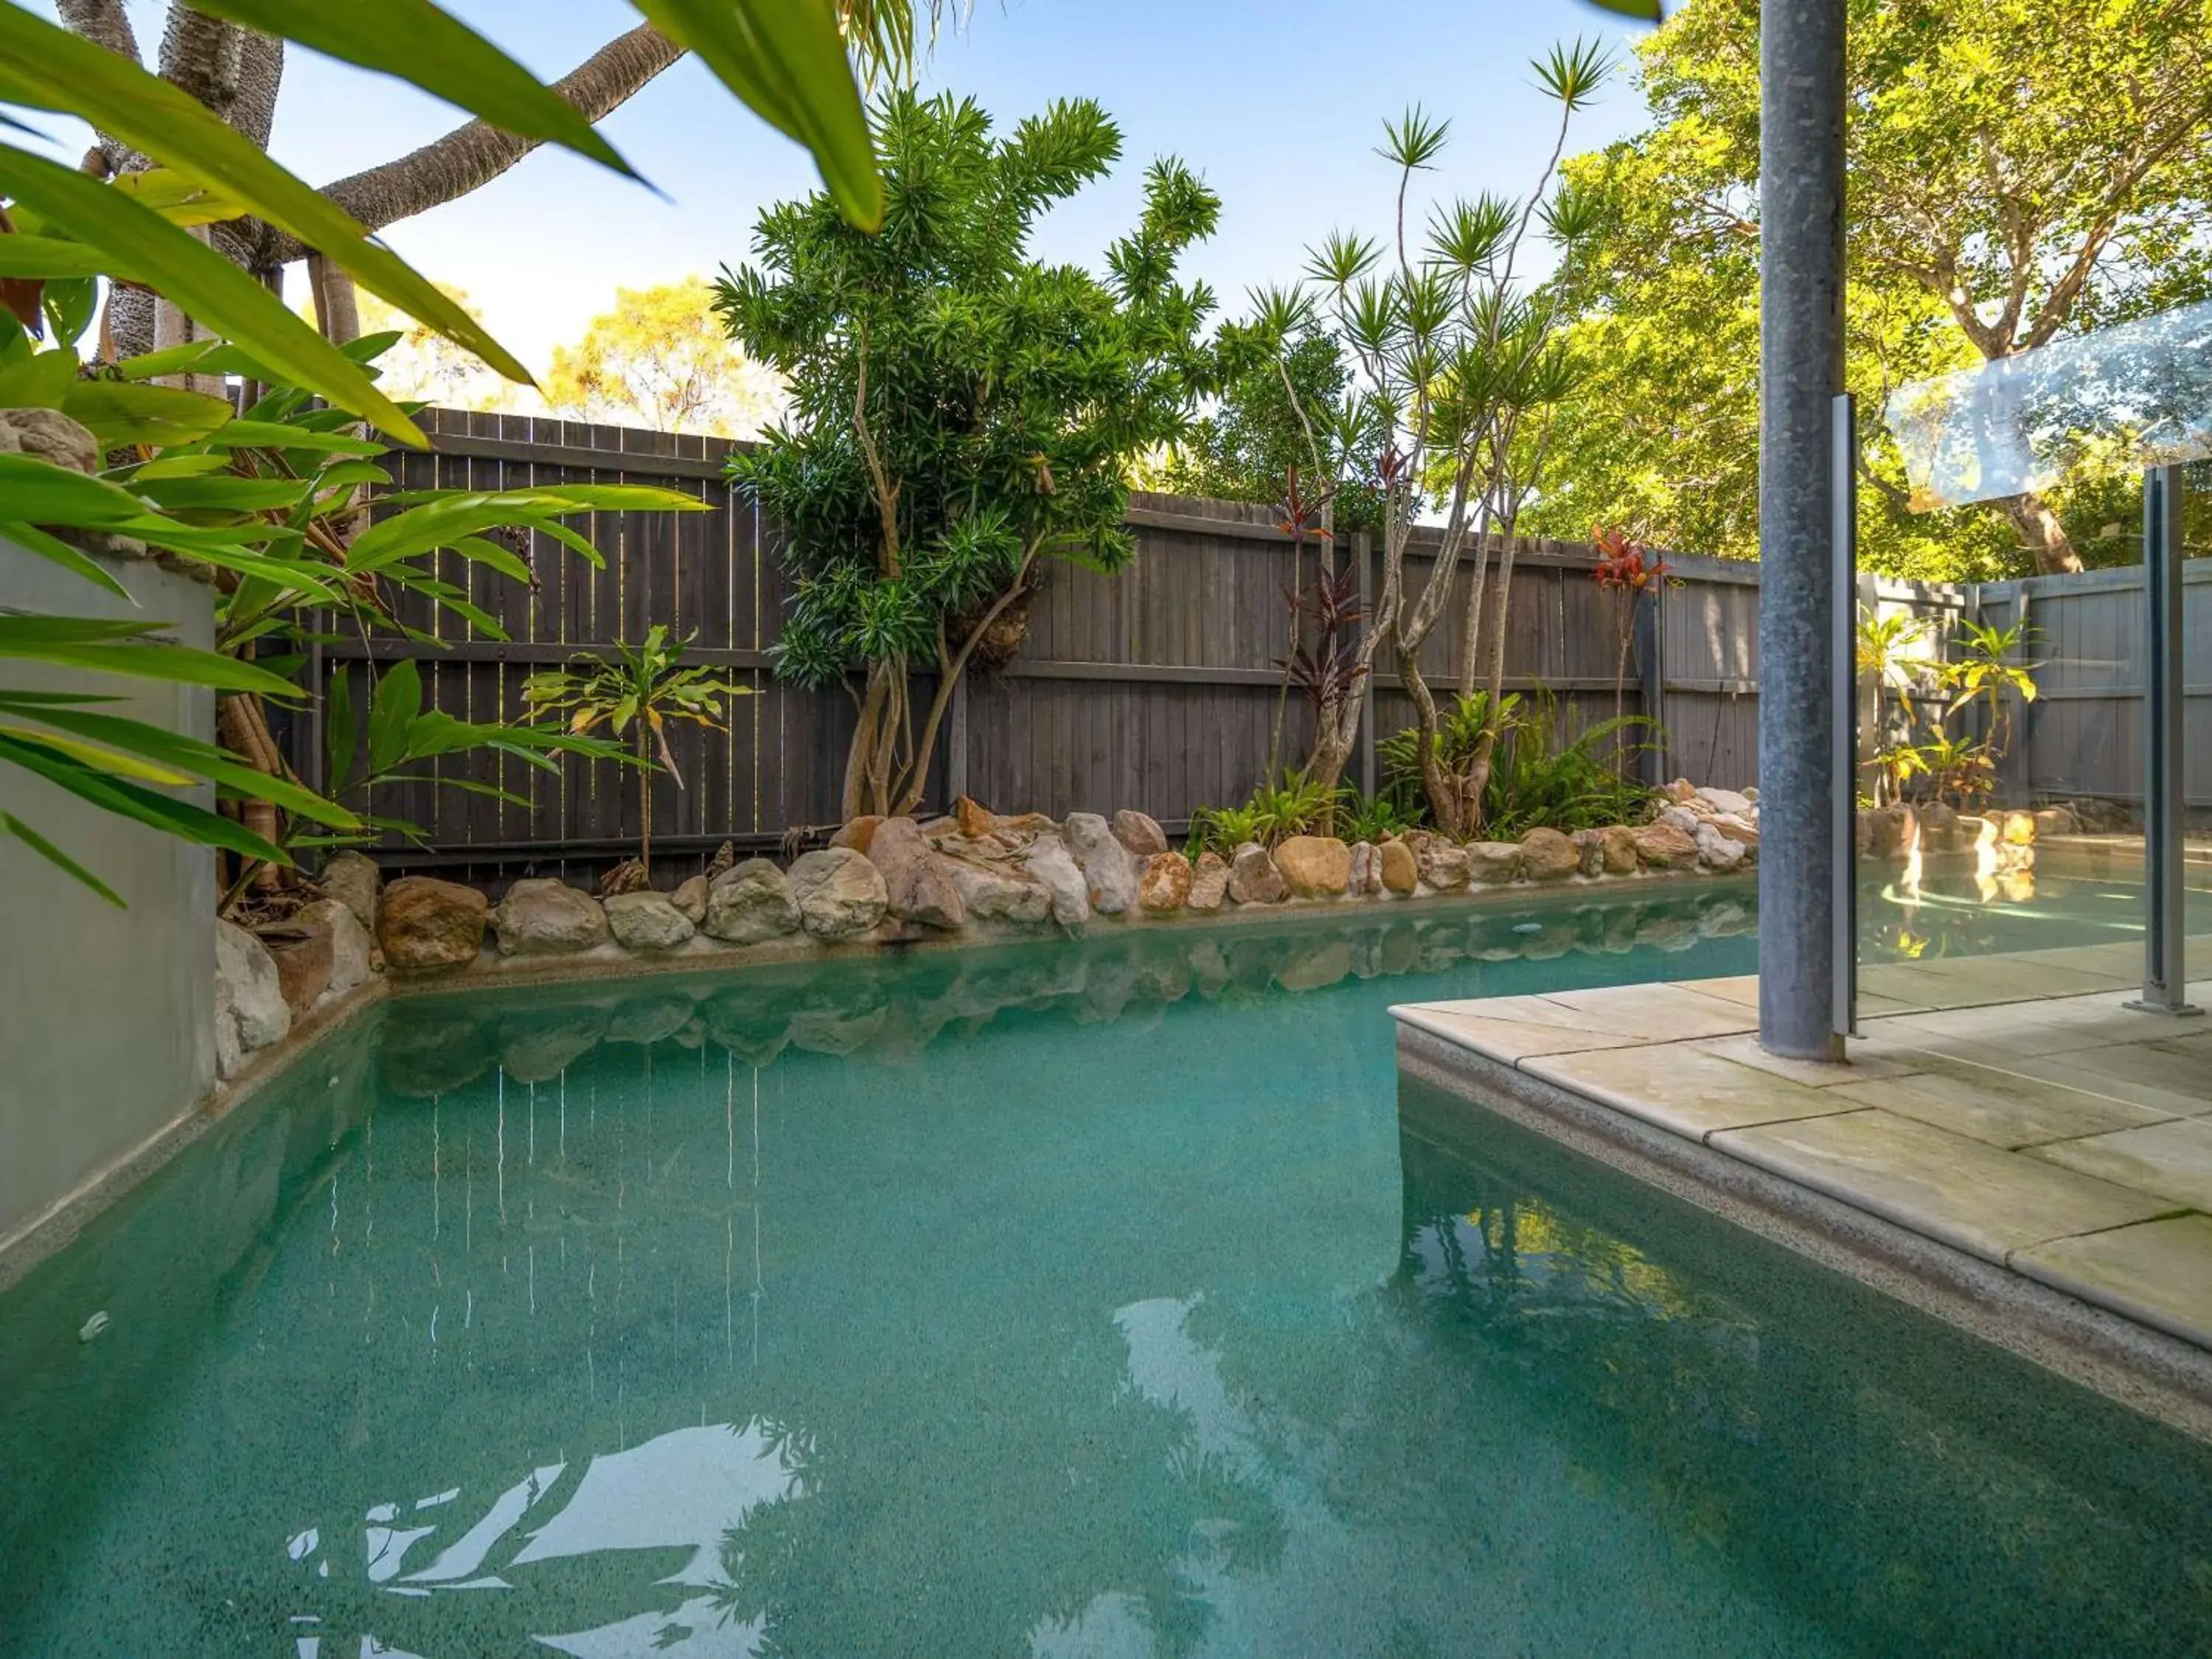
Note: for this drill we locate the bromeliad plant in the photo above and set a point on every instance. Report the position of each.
(640, 688)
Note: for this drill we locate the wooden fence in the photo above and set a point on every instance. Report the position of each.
(1157, 689)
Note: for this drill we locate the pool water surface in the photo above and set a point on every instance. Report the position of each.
(1111, 1299)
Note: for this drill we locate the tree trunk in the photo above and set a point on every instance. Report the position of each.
(2041, 535)
(644, 800)
(1476, 783)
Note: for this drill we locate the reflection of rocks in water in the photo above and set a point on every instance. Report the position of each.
(1619, 933)
(1252, 961)
(1551, 941)
(1401, 948)
(648, 1019)
(427, 1052)
(1165, 977)
(539, 1044)
(1664, 932)
(1209, 969)
(1107, 990)
(754, 1032)
(1315, 966)
(834, 1031)
(1723, 920)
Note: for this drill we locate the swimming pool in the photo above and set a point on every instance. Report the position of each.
(1098, 1300)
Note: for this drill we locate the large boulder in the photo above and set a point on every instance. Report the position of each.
(1109, 869)
(1048, 863)
(751, 904)
(1254, 879)
(2051, 821)
(840, 893)
(993, 892)
(540, 916)
(648, 922)
(1164, 885)
(1549, 856)
(353, 879)
(1664, 847)
(974, 820)
(426, 924)
(250, 1011)
(1728, 800)
(350, 944)
(1492, 863)
(689, 898)
(50, 435)
(1589, 851)
(1736, 828)
(1716, 851)
(915, 887)
(1140, 832)
(302, 951)
(1209, 883)
(1621, 856)
(1939, 826)
(1441, 862)
(1399, 871)
(1314, 867)
(2019, 828)
(1366, 871)
(858, 835)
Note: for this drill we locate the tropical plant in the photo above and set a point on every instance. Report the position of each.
(228, 57)
(1465, 356)
(1538, 781)
(1293, 806)
(642, 687)
(1985, 672)
(1963, 767)
(961, 412)
(265, 500)
(1370, 817)
(1628, 570)
(1326, 669)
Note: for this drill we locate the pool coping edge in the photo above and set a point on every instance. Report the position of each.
(2161, 1375)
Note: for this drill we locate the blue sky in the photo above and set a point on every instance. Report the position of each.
(1279, 106)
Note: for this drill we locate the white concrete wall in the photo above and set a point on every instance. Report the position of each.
(107, 1015)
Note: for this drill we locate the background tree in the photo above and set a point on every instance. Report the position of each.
(423, 366)
(1275, 410)
(2019, 173)
(960, 412)
(661, 359)
(214, 52)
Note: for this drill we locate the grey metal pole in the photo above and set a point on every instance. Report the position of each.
(1801, 296)
(1844, 711)
(2164, 893)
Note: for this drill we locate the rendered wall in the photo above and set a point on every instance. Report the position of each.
(106, 1015)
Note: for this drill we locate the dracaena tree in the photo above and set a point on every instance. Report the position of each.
(1463, 353)
(962, 413)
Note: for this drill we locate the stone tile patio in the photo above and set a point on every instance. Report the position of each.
(2011, 1109)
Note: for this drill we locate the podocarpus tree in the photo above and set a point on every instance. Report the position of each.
(2019, 172)
(1465, 356)
(960, 412)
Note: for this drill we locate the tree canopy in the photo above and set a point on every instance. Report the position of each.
(2018, 173)
(661, 359)
(959, 411)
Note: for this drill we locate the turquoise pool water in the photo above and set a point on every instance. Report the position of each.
(1098, 1301)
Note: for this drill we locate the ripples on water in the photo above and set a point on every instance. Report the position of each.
(1109, 1300)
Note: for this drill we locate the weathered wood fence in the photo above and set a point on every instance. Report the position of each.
(1157, 689)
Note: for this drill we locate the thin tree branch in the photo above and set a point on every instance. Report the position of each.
(473, 155)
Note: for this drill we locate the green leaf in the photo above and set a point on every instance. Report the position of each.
(276, 435)
(201, 282)
(48, 68)
(121, 414)
(421, 45)
(130, 801)
(42, 493)
(54, 256)
(786, 59)
(98, 756)
(39, 381)
(226, 494)
(341, 729)
(183, 201)
(398, 699)
(122, 647)
(204, 760)
(54, 856)
(32, 539)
